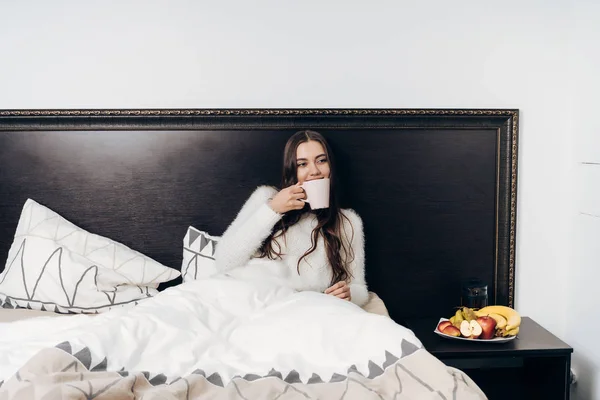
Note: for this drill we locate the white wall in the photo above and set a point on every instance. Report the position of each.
(472, 54)
(584, 267)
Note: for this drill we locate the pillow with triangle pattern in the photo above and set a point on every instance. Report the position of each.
(198, 255)
(56, 266)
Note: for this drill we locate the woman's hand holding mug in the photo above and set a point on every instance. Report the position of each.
(288, 199)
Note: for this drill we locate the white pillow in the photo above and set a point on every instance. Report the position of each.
(56, 266)
(198, 255)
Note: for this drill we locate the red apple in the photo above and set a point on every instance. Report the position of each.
(442, 325)
(451, 330)
(488, 327)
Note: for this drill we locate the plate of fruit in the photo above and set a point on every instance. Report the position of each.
(491, 324)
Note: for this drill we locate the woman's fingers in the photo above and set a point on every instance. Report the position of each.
(296, 189)
(296, 204)
(340, 291)
(288, 199)
(334, 287)
(338, 288)
(345, 295)
(297, 196)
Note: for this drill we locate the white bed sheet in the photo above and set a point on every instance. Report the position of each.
(375, 305)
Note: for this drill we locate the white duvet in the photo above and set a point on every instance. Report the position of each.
(224, 325)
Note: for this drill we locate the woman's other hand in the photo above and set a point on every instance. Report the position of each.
(288, 199)
(340, 290)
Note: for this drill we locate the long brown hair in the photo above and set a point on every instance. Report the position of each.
(330, 223)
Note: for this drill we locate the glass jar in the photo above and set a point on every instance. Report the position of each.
(474, 294)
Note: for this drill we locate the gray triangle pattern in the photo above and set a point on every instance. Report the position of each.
(275, 373)
(101, 366)
(203, 242)
(315, 379)
(293, 377)
(374, 370)
(389, 359)
(251, 377)
(407, 348)
(7, 304)
(215, 379)
(159, 379)
(84, 356)
(354, 370)
(193, 236)
(65, 346)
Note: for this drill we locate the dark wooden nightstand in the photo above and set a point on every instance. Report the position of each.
(536, 365)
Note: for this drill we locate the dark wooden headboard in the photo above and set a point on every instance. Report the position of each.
(436, 189)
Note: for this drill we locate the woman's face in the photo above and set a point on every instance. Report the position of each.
(311, 162)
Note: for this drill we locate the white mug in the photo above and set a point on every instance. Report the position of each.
(317, 193)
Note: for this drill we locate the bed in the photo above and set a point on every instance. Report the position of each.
(436, 190)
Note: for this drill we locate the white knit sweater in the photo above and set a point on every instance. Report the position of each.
(238, 246)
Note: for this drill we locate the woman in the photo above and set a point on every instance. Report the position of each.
(320, 250)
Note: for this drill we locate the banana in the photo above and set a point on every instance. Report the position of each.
(513, 318)
(513, 332)
(500, 320)
(505, 333)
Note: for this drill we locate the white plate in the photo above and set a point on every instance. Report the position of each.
(494, 340)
